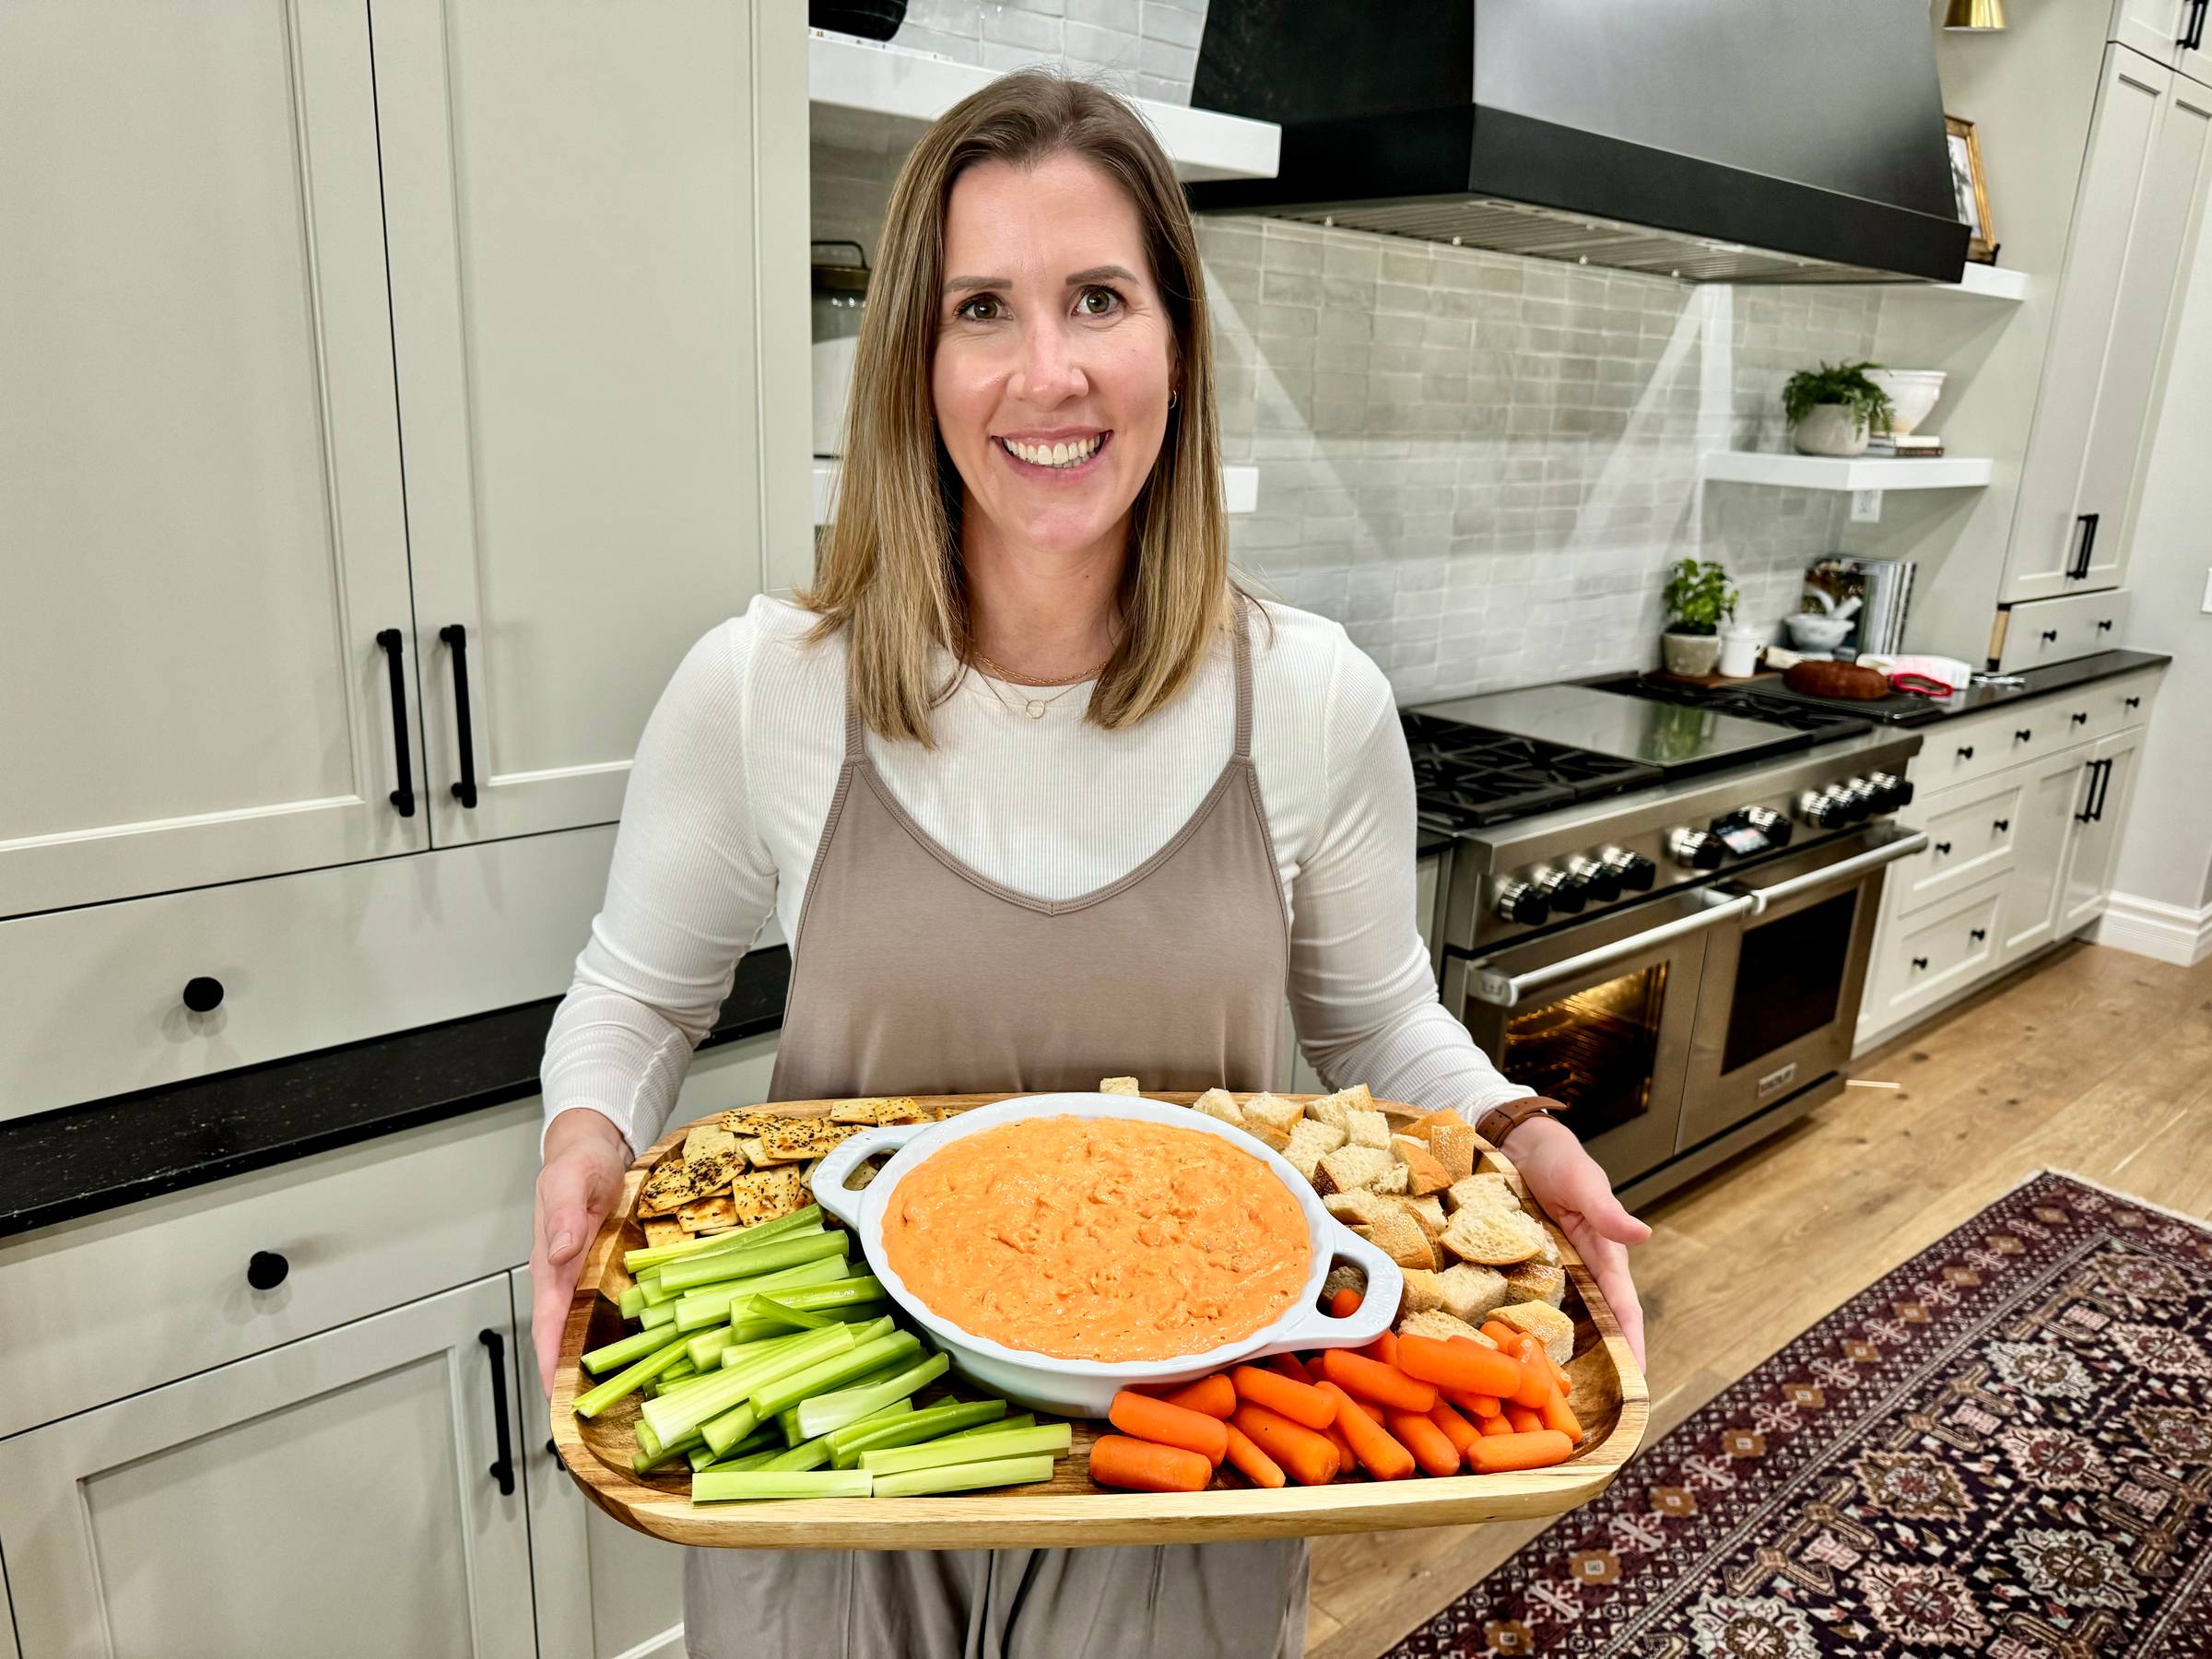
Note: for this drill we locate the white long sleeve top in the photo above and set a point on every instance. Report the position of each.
(733, 777)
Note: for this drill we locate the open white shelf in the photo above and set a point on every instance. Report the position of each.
(1240, 483)
(850, 74)
(1985, 282)
(1827, 472)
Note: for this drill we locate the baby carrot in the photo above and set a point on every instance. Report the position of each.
(1498, 1332)
(1473, 1404)
(1373, 1411)
(1460, 1364)
(1381, 1456)
(1523, 1419)
(1310, 1459)
(1537, 1385)
(1493, 1455)
(1493, 1426)
(1210, 1395)
(1344, 1303)
(1253, 1463)
(1384, 1384)
(1383, 1350)
(1147, 1418)
(1557, 1414)
(1143, 1466)
(1300, 1401)
(1427, 1444)
(1292, 1367)
(1457, 1429)
(1347, 1460)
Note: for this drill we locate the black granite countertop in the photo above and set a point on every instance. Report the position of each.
(2037, 682)
(82, 1160)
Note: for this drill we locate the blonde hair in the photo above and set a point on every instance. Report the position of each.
(889, 570)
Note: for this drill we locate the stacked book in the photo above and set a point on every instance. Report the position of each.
(1910, 443)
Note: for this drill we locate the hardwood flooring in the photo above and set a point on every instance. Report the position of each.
(2091, 1062)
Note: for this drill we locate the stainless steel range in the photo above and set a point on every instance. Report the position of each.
(1659, 913)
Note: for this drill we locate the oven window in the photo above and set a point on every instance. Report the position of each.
(1592, 1051)
(1788, 979)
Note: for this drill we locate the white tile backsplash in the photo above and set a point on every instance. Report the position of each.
(1145, 48)
(1482, 465)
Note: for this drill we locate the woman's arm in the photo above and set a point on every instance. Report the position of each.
(1365, 998)
(691, 886)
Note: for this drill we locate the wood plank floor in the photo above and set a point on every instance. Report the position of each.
(2091, 1062)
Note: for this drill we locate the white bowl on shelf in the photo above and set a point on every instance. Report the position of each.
(1911, 393)
(1810, 630)
(1085, 1387)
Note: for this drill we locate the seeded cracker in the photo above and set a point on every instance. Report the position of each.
(797, 1140)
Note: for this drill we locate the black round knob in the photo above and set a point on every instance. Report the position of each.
(2050, 636)
(2024, 735)
(202, 996)
(1639, 872)
(1966, 751)
(2135, 703)
(1944, 848)
(1981, 934)
(1699, 851)
(1920, 962)
(1522, 903)
(1568, 894)
(1603, 884)
(2105, 626)
(2082, 718)
(266, 1270)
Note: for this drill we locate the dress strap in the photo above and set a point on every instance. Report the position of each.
(855, 746)
(1240, 621)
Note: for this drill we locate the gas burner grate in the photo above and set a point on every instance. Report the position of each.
(1824, 723)
(1465, 777)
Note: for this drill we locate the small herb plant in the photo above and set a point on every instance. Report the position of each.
(1844, 384)
(1699, 597)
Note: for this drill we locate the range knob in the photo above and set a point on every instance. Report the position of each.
(1696, 849)
(1773, 825)
(1520, 901)
(1562, 891)
(1823, 809)
(1854, 801)
(1635, 870)
(1601, 884)
(1890, 791)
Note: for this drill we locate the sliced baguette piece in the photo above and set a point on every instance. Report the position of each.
(1421, 1128)
(1423, 1173)
(1483, 1193)
(1545, 1324)
(1349, 1168)
(1538, 1281)
(1336, 1108)
(1272, 1111)
(1274, 1140)
(1396, 1181)
(1220, 1103)
(1344, 1276)
(1428, 1210)
(1470, 1292)
(1424, 1291)
(1436, 1323)
(1495, 1238)
(1117, 1085)
(1356, 1207)
(1310, 1143)
(1368, 1128)
(1454, 1145)
(1393, 1232)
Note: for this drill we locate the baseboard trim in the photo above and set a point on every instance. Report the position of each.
(2149, 927)
(668, 1644)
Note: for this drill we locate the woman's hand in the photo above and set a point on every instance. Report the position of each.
(1567, 1181)
(586, 1159)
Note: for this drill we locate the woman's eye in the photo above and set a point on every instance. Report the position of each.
(1097, 302)
(983, 308)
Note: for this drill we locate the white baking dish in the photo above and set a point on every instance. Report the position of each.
(1084, 1387)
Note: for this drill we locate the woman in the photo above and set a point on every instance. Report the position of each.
(1039, 796)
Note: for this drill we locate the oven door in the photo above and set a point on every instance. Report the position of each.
(1783, 982)
(1600, 1016)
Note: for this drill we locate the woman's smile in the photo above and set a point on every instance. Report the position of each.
(1054, 457)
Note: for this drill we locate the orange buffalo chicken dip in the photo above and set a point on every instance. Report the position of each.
(1098, 1239)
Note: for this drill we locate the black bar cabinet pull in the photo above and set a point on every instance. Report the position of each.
(502, 1469)
(2104, 790)
(456, 636)
(2192, 35)
(2088, 541)
(1919, 963)
(2002, 825)
(403, 798)
(2090, 806)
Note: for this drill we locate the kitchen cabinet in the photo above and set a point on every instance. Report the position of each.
(343, 1494)
(2167, 31)
(2048, 792)
(202, 537)
(1945, 948)
(2095, 843)
(2135, 218)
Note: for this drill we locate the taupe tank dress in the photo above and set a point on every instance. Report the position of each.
(913, 975)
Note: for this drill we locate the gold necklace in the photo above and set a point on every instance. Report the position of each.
(1012, 679)
(1033, 707)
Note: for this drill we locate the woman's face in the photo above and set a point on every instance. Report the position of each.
(1054, 353)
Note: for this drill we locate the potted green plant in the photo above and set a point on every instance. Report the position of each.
(1699, 597)
(1834, 409)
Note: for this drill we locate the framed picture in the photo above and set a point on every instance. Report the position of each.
(1968, 186)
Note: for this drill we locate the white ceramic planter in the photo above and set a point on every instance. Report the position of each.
(1830, 429)
(1690, 653)
(1085, 1387)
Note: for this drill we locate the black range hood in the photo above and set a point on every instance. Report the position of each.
(1711, 140)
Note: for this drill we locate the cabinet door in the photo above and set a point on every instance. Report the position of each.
(2050, 793)
(200, 527)
(2097, 824)
(2050, 524)
(2154, 28)
(599, 313)
(332, 1497)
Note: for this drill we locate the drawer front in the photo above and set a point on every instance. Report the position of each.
(1959, 752)
(1971, 838)
(2125, 702)
(2058, 631)
(1936, 951)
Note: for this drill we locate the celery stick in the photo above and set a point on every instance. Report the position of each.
(683, 1367)
(975, 1448)
(880, 1431)
(807, 1220)
(654, 1292)
(768, 1307)
(615, 1355)
(788, 1389)
(833, 1293)
(622, 1382)
(725, 1388)
(958, 1478)
(807, 1454)
(777, 1254)
(746, 1352)
(752, 1460)
(707, 1347)
(632, 1303)
(663, 1314)
(711, 1305)
(651, 1457)
(760, 1439)
(714, 1486)
(648, 1442)
(821, 1414)
(740, 1423)
(787, 1425)
(1021, 1420)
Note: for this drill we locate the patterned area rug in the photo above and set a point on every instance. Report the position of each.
(2005, 1447)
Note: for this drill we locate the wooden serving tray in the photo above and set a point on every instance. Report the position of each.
(1609, 1399)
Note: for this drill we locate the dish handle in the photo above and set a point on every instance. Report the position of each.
(1378, 1306)
(842, 1159)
